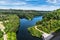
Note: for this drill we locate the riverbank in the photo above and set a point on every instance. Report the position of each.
(49, 24)
(23, 33)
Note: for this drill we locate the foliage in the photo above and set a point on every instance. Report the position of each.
(34, 32)
(29, 14)
(1, 38)
(11, 36)
(1, 34)
(12, 24)
(50, 22)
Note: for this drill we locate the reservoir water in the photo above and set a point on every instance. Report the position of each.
(23, 33)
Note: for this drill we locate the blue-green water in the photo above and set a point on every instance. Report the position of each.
(23, 33)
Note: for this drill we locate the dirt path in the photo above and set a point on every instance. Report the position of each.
(45, 35)
(2, 29)
(39, 30)
(5, 36)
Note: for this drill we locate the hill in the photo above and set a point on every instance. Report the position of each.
(8, 26)
(49, 23)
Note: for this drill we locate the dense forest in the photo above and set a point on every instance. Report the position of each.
(50, 23)
(9, 21)
(28, 14)
(8, 26)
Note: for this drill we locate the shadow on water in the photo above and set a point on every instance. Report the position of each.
(23, 33)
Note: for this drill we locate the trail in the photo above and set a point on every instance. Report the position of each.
(2, 29)
(45, 35)
(40, 30)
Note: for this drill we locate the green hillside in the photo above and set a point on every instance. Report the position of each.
(50, 23)
(8, 26)
(28, 14)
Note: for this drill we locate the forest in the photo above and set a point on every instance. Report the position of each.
(50, 23)
(28, 14)
(8, 26)
(11, 21)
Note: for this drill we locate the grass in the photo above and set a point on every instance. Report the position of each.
(11, 36)
(1, 38)
(35, 32)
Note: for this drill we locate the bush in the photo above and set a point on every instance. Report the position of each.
(35, 32)
(1, 34)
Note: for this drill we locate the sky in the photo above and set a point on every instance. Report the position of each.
(44, 5)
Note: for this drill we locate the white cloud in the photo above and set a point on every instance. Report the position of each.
(19, 3)
(42, 7)
(24, 6)
(56, 2)
(52, 1)
(31, 0)
(3, 2)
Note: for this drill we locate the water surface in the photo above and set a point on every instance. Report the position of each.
(23, 33)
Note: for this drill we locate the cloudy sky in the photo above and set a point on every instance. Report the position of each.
(30, 4)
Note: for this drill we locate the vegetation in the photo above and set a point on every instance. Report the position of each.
(10, 19)
(49, 23)
(34, 32)
(1, 33)
(11, 36)
(11, 24)
(1, 38)
(28, 14)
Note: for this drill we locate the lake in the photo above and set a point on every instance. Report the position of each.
(23, 33)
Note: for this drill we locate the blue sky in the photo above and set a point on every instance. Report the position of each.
(45, 5)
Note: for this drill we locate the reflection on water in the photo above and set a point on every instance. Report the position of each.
(23, 33)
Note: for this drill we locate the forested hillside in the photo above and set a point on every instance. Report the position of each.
(28, 14)
(8, 26)
(9, 21)
(49, 24)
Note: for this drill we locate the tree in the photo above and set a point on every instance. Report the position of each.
(1, 33)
